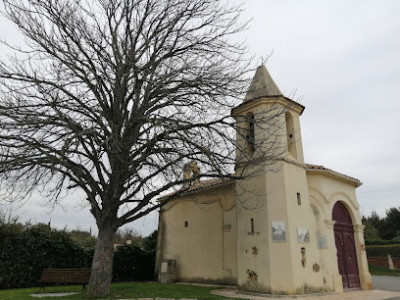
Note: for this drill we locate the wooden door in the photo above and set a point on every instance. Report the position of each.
(345, 247)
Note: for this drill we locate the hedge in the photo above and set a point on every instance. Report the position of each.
(131, 263)
(25, 252)
(383, 251)
(381, 242)
(24, 255)
(135, 263)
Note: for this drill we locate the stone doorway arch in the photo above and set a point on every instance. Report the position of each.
(345, 247)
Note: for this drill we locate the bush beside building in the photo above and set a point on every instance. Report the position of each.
(25, 250)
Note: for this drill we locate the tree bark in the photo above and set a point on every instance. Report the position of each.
(101, 275)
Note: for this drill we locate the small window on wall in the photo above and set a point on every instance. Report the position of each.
(250, 138)
(298, 199)
(252, 232)
(291, 139)
(186, 224)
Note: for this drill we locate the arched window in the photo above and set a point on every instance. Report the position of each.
(291, 138)
(250, 138)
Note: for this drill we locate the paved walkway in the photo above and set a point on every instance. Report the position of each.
(44, 295)
(387, 288)
(388, 283)
(231, 293)
(353, 295)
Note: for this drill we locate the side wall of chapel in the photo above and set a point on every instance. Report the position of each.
(198, 232)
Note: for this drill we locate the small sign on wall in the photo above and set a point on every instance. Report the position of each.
(278, 231)
(303, 235)
(322, 242)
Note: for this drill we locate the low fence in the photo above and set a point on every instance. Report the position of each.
(384, 255)
(383, 262)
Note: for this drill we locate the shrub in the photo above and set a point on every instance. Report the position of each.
(26, 250)
(382, 242)
(134, 263)
(23, 256)
(383, 251)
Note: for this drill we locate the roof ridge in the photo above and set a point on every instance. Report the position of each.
(262, 85)
(322, 168)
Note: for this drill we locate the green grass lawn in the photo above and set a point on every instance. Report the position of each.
(121, 290)
(374, 270)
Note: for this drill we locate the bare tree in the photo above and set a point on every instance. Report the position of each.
(114, 98)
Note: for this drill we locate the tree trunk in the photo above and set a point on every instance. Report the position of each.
(100, 278)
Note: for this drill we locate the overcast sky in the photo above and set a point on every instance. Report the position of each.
(342, 59)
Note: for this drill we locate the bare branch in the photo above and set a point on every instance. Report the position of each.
(115, 97)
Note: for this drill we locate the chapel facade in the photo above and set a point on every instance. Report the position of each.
(287, 228)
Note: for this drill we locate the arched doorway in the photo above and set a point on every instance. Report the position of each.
(345, 246)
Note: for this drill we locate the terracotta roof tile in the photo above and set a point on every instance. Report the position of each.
(312, 167)
(202, 185)
(210, 183)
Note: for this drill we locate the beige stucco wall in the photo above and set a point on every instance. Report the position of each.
(309, 276)
(275, 189)
(252, 246)
(325, 191)
(219, 243)
(205, 250)
(276, 186)
(278, 264)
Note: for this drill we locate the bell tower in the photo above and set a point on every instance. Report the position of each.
(272, 199)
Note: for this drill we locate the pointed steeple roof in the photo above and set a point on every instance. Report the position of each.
(262, 85)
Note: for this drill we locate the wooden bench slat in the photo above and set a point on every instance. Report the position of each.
(73, 275)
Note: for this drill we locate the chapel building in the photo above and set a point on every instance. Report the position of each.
(288, 228)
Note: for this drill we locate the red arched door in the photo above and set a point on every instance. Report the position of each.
(345, 246)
